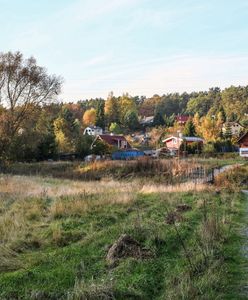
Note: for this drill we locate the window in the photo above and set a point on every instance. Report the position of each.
(123, 144)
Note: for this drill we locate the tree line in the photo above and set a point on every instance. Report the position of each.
(35, 125)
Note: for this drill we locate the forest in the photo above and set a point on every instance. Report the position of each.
(36, 125)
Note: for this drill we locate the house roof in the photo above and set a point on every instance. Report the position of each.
(232, 123)
(147, 120)
(94, 127)
(112, 139)
(192, 139)
(182, 118)
(242, 137)
(186, 138)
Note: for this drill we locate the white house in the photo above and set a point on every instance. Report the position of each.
(93, 130)
(234, 127)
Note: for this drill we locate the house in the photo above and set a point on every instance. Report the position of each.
(173, 143)
(146, 121)
(93, 130)
(243, 145)
(235, 128)
(181, 119)
(118, 141)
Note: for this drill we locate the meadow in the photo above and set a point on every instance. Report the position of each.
(186, 239)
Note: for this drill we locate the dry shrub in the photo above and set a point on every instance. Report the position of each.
(233, 179)
(183, 187)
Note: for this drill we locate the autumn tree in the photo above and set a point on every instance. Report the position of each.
(62, 136)
(127, 105)
(89, 117)
(208, 129)
(112, 109)
(23, 86)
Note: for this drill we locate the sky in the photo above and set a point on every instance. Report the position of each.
(142, 47)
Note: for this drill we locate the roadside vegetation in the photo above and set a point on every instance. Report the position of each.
(157, 170)
(57, 237)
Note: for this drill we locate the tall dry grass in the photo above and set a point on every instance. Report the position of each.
(30, 204)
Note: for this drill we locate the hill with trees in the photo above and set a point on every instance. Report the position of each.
(35, 125)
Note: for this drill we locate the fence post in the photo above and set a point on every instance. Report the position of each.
(213, 175)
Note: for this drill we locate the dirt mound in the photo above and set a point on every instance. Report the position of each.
(126, 246)
(173, 217)
(183, 207)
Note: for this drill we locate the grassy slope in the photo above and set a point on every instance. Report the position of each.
(72, 249)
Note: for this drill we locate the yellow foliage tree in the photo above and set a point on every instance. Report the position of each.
(209, 129)
(61, 138)
(126, 104)
(89, 117)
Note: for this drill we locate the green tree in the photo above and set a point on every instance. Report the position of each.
(101, 148)
(47, 147)
(158, 119)
(131, 120)
(115, 128)
(100, 114)
(83, 145)
(200, 104)
(189, 129)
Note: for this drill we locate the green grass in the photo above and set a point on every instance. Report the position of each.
(64, 257)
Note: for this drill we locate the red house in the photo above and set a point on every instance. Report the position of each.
(118, 141)
(182, 120)
(243, 145)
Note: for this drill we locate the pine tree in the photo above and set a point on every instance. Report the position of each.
(189, 129)
(100, 115)
(158, 119)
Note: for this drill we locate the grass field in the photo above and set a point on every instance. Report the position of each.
(56, 234)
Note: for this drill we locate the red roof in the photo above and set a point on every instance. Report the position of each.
(182, 118)
(113, 139)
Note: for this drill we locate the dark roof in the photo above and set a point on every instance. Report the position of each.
(243, 136)
(112, 139)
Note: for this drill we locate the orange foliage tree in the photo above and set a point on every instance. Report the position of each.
(89, 117)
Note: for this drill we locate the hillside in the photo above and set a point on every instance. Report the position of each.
(57, 234)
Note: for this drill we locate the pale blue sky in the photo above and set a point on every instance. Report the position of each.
(141, 47)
